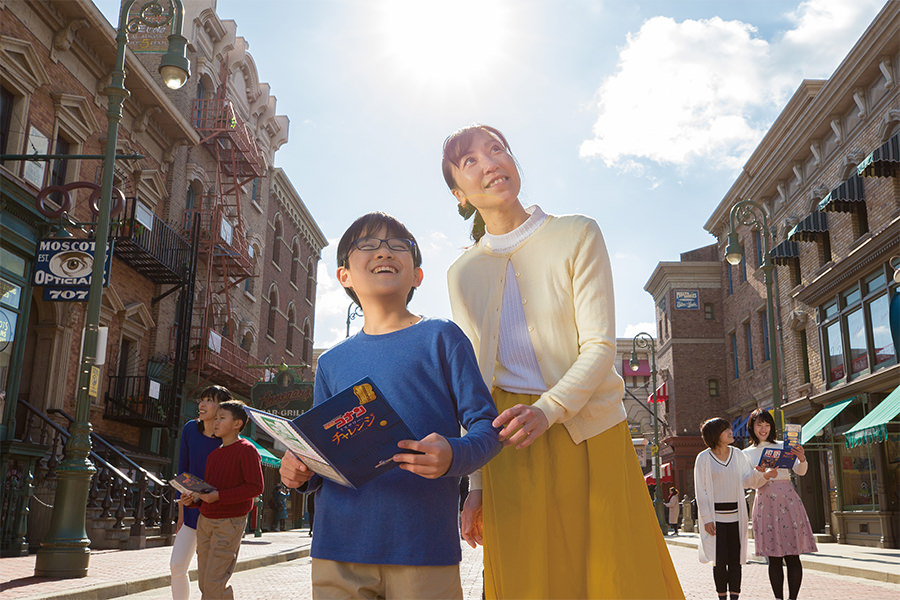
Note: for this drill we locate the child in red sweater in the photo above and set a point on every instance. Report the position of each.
(235, 471)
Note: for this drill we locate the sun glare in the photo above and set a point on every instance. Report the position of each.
(451, 42)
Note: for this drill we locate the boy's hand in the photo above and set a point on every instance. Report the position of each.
(293, 472)
(435, 460)
(471, 525)
(522, 424)
(209, 497)
(188, 499)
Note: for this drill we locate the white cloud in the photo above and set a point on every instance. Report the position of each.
(707, 89)
(632, 329)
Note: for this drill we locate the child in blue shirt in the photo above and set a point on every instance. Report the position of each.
(397, 536)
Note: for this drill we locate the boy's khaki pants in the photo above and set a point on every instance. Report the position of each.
(333, 580)
(218, 542)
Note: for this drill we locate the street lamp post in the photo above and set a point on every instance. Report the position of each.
(644, 340)
(751, 214)
(353, 311)
(66, 550)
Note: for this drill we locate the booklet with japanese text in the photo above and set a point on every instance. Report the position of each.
(187, 483)
(784, 457)
(350, 438)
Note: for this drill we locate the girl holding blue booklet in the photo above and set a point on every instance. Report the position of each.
(781, 529)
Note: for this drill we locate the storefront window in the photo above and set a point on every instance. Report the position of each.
(835, 352)
(882, 342)
(10, 299)
(856, 335)
(858, 479)
(892, 447)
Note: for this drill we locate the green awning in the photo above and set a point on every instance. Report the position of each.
(873, 427)
(266, 458)
(823, 418)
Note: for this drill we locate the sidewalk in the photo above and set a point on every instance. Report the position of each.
(879, 564)
(116, 573)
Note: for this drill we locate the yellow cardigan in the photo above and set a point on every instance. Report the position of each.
(565, 282)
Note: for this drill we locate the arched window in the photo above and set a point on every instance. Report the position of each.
(307, 343)
(295, 262)
(310, 279)
(247, 341)
(276, 244)
(289, 340)
(273, 310)
(254, 254)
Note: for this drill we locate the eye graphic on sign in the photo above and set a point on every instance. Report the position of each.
(71, 264)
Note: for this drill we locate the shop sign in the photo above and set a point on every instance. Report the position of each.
(63, 267)
(284, 395)
(687, 299)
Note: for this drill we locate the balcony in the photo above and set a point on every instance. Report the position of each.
(222, 128)
(221, 360)
(221, 241)
(140, 401)
(149, 246)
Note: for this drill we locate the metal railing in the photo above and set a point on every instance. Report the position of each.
(150, 245)
(140, 400)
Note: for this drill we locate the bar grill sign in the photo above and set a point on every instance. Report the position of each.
(687, 299)
(63, 268)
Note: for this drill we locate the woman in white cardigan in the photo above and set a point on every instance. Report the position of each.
(721, 473)
(781, 529)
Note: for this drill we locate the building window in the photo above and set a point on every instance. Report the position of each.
(744, 266)
(310, 279)
(713, 387)
(273, 310)
(734, 356)
(276, 245)
(795, 273)
(60, 167)
(749, 337)
(855, 327)
(295, 262)
(730, 280)
(253, 251)
(6, 111)
(254, 190)
(764, 325)
(757, 242)
(307, 343)
(709, 311)
(289, 340)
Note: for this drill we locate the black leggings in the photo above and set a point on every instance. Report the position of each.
(727, 570)
(776, 575)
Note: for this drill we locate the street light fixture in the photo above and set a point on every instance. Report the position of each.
(66, 550)
(644, 340)
(353, 311)
(752, 215)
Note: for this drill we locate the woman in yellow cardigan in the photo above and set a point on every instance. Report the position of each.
(564, 511)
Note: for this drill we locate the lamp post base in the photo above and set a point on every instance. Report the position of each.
(66, 551)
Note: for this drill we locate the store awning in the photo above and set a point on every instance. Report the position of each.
(809, 228)
(873, 427)
(884, 161)
(785, 252)
(665, 473)
(661, 395)
(643, 369)
(265, 457)
(823, 418)
(850, 196)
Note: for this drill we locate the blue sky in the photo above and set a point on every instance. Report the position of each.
(639, 114)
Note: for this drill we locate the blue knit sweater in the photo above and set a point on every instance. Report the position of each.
(428, 373)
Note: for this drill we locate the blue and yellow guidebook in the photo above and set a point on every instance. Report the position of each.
(350, 438)
(784, 457)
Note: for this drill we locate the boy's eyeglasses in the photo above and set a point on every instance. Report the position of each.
(370, 244)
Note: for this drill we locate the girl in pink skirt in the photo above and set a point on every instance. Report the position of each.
(781, 529)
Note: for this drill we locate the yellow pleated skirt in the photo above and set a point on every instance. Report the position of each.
(566, 520)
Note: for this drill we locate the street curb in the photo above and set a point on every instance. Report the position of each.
(136, 586)
(810, 562)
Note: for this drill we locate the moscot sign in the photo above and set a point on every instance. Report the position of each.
(284, 396)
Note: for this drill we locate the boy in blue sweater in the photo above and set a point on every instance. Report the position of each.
(397, 536)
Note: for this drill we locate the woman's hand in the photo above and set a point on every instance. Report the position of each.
(471, 525)
(800, 453)
(710, 528)
(522, 424)
(435, 458)
(293, 472)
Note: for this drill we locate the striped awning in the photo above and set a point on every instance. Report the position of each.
(785, 252)
(809, 228)
(884, 161)
(847, 197)
(873, 427)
